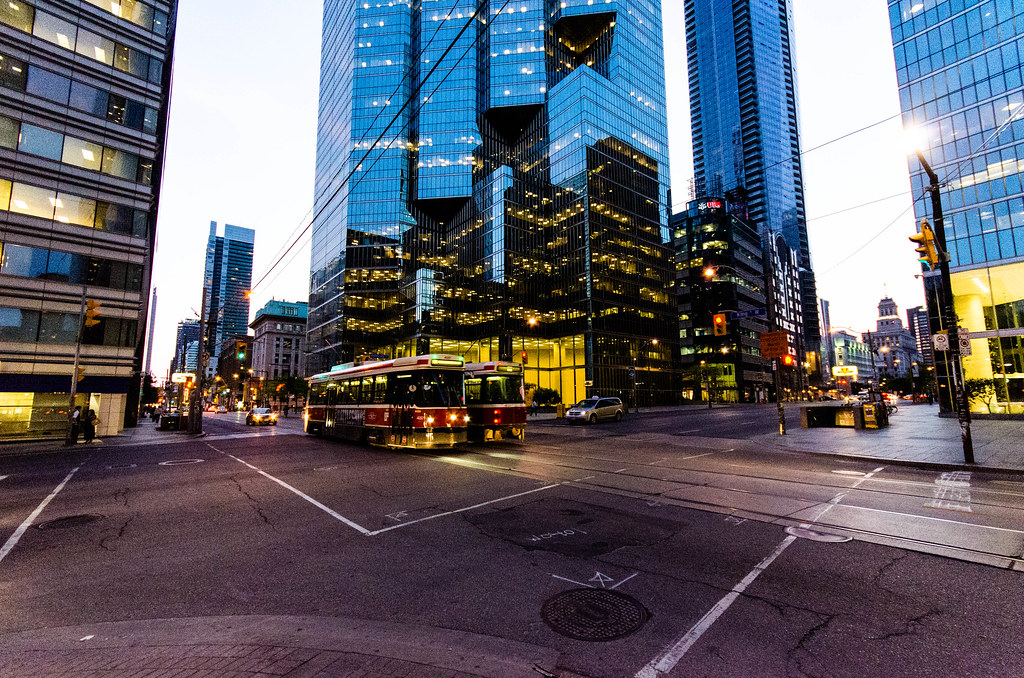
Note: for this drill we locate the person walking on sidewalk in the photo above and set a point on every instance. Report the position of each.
(89, 422)
(76, 424)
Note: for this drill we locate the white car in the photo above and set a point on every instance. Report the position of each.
(591, 410)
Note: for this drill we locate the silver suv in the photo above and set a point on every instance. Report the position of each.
(593, 409)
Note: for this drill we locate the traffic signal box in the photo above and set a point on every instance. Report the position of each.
(719, 325)
(240, 349)
(927, 251)
(92, 309)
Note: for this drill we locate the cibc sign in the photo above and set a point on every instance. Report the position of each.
(709, 205)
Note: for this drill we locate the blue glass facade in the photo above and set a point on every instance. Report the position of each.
(746, 142)
(504, 165)
(227, 282)
(958, 65)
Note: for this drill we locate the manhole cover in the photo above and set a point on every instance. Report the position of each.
(593, 614)
(805, 533)
(69, 521)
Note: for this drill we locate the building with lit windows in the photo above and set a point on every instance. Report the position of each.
(188, 332)
(917, 323)
(746, 143)
(226, 285)
(719, 270)
(852, 352)
(894, 345)
(958, 65)
(84, 90)
(496, 185)
(277, 347)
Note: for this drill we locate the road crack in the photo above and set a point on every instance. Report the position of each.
(912, 626)
(802, 661)
(122, 496)
(114, 538)
(254, 503)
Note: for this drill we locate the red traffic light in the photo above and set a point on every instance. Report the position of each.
(787, 360)
(718, 324)
(523, 356)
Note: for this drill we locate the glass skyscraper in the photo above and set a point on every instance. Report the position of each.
(958, 64)
(495, 184)
(226, 285)
(746, 141)
(84, 88)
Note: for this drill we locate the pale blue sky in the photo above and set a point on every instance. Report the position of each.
(242, 144)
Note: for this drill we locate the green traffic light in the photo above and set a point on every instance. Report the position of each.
(241, 356)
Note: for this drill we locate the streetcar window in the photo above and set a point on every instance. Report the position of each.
(450, 385)
(380, 389)
(473, 390)
(331, 397)
(366, 393)
(316, 394)
(504, 389)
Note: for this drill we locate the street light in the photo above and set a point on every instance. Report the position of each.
(948, 313)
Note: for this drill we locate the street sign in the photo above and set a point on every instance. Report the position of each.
(774, 344)
(182, 377)
(750, 313)
(845, 371)
(964, 338)
(940, 341)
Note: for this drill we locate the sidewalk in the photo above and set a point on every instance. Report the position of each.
(916, 435)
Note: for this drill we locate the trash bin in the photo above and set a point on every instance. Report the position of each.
(560, 410)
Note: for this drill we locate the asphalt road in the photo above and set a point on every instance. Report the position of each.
(680, 554)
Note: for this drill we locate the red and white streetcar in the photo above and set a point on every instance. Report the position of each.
(496, 400)
(417, 401)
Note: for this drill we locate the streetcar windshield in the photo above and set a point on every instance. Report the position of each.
(427, 388)
(495, 390)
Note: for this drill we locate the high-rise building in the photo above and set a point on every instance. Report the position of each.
(84, 88)
(746, 141)
(958, 65)
(496, 185)
(720, 272)
(188, 332)
(226, 285)
(917, 323)
(277, 347)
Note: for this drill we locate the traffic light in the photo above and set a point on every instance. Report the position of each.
(927, 251)
(788, 360)
(92, 309)
(240, 347)
(81, 374)
(524, 357)
(719, 325)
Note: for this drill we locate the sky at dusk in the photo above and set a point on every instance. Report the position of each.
(242, 145)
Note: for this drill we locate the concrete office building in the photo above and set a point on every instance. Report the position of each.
(84, 89)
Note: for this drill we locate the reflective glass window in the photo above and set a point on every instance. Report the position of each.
(52, 29)
(33, 200)
(156, 70)
(58, 328)
(8, 132)
(27, 262)
(88, 99)
(149, 121)
(134, 113)
(18, 324)
(140, 224)
(95, 47)
(113, 218)
(72, 209)
(159, 22)
(82, 153)
(120, 164)
(47, 85)
(115, 108)
(39, 141)
(138, 13)
(17, 14)
(5, 194)
(13, 73)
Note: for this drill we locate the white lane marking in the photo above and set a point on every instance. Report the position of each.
(617, 471)
(667, 661)
(179, 462)
(326, 509)
(86, 638)
(692, 430)
(706, 454)
(2, 477)
(952, 492)
(625, 580)
(35, 514)
(467, 508)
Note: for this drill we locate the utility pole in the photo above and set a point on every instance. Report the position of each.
(69, 439)
(948, 313)
(195, 404)
(769, 278)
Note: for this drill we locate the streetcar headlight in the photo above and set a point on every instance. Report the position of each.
(454, 417)
(466, 418)
(430, 420)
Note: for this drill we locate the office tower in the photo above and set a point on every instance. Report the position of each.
(720, 266)
(188, 331)
(917, 322)
(958, 65)
(84, 90)
(496, 185)
(746, 141)
(226, 285)
(149, 340)
(828, 349)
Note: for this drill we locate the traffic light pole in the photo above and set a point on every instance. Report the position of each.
(69, 437)
(948, 312)
(195, 404)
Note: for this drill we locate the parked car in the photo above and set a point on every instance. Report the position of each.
(591, 410)
(222, 409)
(261, 416)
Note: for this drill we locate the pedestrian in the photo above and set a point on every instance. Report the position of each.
(89, 423)
(533, 408)
(76, 424)
(286, 410)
